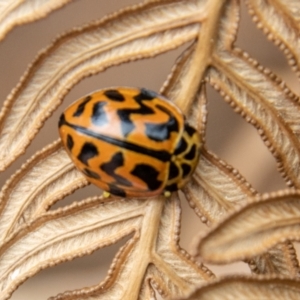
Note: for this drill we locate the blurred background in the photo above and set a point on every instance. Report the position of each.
(228, 135)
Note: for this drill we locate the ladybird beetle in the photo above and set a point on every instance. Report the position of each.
(130, 142)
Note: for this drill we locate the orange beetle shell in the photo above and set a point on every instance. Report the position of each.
(130, 142)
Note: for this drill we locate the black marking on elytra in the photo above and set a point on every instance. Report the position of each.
(62, 120)
(186, 169)
(161, 155)
(113, 189)
(181, 146)
(88, 151)
(148, 174)
(70, 142)
(145, 95)
(173, 171)
(172, 187)
(114, 95)
(99, 117)
(90, 173)
(110, 167)
(161, 132)
(190, 130)
(81, 106)
(157, 132)
(124, 114)
(191, 154)
(126, 124)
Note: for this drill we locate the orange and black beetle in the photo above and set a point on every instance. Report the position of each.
(130, 142)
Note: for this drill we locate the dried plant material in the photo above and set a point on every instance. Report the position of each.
(16, 12)
(205, 192)
(151, 255)
(193, 66)
(254, 229)
(279, 260)
(139, 32)
(212, 174)
(47, 177)
(151, 261)
(273, 109)
(284, 31)
(249, 288)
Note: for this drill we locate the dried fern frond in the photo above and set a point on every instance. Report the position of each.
(134, 33)
(80, 229)
(247, 288)
(35, 237)
(15, 12)
(263, 223)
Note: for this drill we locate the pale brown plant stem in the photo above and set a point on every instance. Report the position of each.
(201, 56)
(147, 243)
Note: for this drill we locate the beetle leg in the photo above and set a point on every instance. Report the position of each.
(106, 194)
